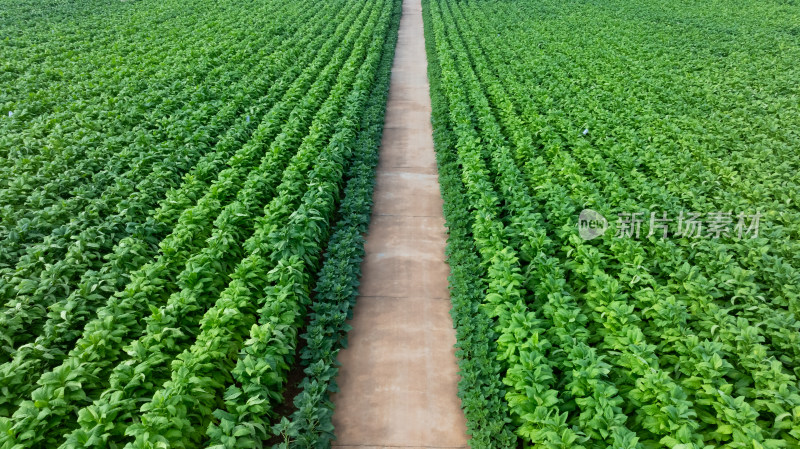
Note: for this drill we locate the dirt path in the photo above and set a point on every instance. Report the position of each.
(398, 380)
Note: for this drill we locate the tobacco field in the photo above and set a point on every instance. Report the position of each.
(686, 337)
(178, 181)
(186, 189)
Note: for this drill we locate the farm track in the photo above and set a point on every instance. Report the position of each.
(398, 381)
(296, 225)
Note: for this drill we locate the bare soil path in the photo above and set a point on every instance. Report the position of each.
(398, 380)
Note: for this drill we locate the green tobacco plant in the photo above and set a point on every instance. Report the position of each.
(221, 243)
(619, 342)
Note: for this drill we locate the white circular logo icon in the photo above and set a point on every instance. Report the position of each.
(591, 224)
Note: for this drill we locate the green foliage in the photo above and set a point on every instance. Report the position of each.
(213, 219)
(184, 187)
(552, 107)
(336, 289)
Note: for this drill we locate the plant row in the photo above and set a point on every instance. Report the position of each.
(618, 341)
(172, 315)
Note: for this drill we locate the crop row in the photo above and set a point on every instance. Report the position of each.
(167, 313)
(617, 341)
(73, 162)
(193, 222)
